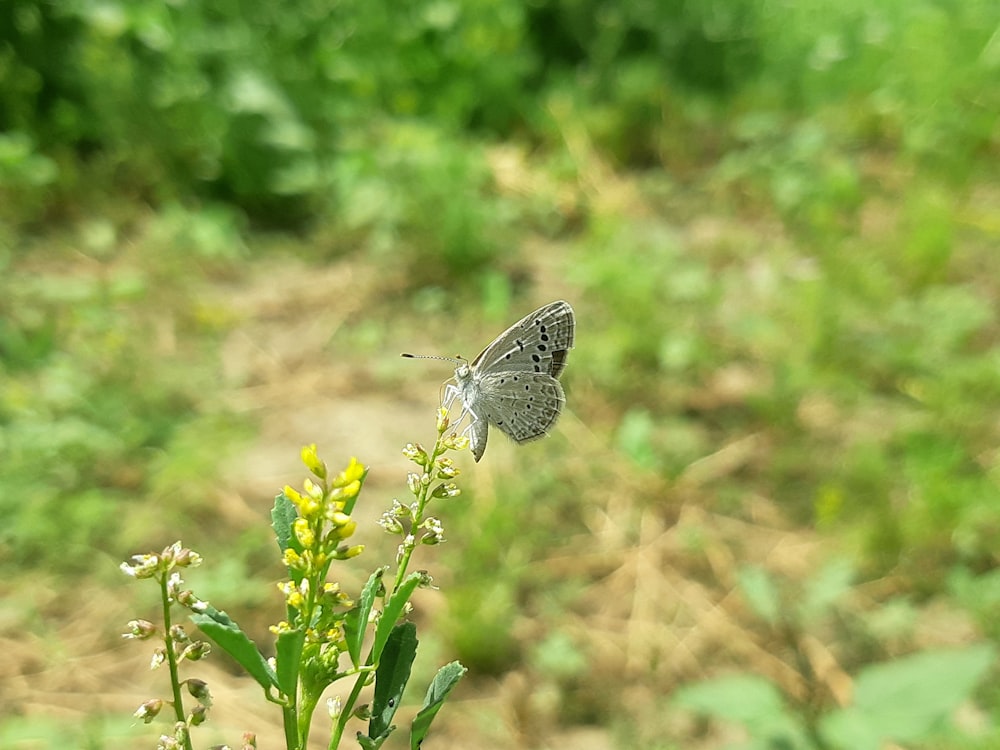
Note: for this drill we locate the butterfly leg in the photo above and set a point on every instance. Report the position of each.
(472, 420)
(450, 391)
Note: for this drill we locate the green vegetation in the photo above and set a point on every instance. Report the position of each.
(778, 224)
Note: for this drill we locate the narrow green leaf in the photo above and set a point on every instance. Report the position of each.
(446, 678)
(288, 655)
(357, 619)
(394, 609)
(391, 677)
(218, 626)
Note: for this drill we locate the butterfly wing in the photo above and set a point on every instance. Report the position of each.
(522, 405)
(479, 431)
(537, 343)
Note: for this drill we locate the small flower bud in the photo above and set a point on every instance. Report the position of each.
(158, 659)
(196, 651)
(442, 420)
(304, 533)
(456, 442)
(178, 634)
(181, 732)
(347, 492)
(415, 453)
(148, 710)
(293, 560)
(187, 599)
(139, 630)
(146, 566)
(313, 461)
(354, 472)
(363, 712)
(413, 483)
(187, 558)
(334, 707)
(446, 468)
(198, 716)
(390, 523)
(312, 489)
(346, 553)
(426, 581)
(345, 526)
(249, 741)
(174, 584)
(199, 691)
(434, 531)
(449, 489)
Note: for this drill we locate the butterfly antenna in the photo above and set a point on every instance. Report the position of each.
(455, 360)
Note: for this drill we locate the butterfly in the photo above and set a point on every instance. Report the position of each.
(514, 382)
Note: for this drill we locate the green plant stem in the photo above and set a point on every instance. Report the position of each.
(418, 517)
(404, 562)
(168, 641)
(289, 718)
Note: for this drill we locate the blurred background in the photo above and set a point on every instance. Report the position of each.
(769, 515)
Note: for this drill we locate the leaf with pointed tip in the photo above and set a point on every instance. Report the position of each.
(391, 677)
(356, 619)
(394, 609)
(288, 655)
(446, 678)
(283, 515)
(218, 626)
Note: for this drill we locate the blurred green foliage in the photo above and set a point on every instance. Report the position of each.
(256, 102)
(100, 410)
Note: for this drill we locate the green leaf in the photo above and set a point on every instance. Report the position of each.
(218, 626)
(394, 609)
(356, 619)
(825, 589)
(446, 678)
(747, 700)
(391, 677)
(906, 699)
(761, 593)
(288, 656)
(283, 515)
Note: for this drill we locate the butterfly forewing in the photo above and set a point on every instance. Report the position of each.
(536, 343)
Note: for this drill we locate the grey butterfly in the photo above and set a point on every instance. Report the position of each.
(513, 383)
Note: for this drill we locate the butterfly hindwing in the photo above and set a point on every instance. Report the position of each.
(522, 405)
(478, 433)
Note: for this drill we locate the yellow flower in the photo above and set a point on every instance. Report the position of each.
(354, 472)
(313, 462)
(304, 533)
